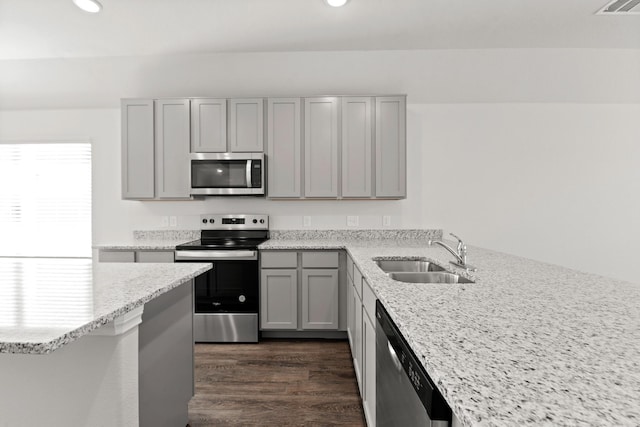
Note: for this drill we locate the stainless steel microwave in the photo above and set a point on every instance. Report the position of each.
(227, 174)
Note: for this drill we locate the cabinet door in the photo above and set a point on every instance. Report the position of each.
(357, 343)
(357, 157)
(321, 147)
(351, 313)
(208, 125)
(369, 370)
(391, 157)
(279, 299)
(246, 130)
(284, 148)
(172, 149)
(155, 256)
(137, 149)
(320, 299)
(116, 256)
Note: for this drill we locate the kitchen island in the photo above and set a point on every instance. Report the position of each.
(528, 343)
(81, 342)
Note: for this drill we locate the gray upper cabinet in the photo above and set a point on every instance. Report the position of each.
(357, 160)
(284, 147)
(137, 149)
(321, 147)
(390, 139)
(172, 149)
(208, 125)
(246, 125)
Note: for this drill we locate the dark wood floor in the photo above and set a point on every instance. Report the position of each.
(275, 383)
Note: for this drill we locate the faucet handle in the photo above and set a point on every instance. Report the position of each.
(459, 239)
(462, 248)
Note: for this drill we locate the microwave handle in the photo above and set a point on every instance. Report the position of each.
(248, 173)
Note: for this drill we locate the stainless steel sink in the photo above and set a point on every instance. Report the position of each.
(404, 265)
(428, 277)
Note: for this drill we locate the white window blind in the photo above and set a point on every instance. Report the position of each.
(45, 199)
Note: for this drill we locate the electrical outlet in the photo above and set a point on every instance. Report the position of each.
(165, 221)
(386, 220)
(352, 221)
(306, 221)
(173, 221)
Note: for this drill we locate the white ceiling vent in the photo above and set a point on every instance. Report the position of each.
(621, 7)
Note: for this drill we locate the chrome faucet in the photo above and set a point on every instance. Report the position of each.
(460, 253)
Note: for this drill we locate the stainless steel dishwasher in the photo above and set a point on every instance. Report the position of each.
(405, 395)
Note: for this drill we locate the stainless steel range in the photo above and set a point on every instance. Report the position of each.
(227, 297)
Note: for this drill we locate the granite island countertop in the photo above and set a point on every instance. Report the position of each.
(528, 343)
(46, 303)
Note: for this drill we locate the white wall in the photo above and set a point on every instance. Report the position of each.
(554, 182)
(533, 152)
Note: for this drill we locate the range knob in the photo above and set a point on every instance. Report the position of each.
(212, 220)
(262, 221)
(255, 221)
(204, 221)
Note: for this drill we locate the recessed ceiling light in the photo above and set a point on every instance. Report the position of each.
(91, 6)
(336, 3)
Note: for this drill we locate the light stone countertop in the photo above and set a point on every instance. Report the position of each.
(143, 244)
(46, 303)
(528, 344)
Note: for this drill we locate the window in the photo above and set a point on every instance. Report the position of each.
(45, 199)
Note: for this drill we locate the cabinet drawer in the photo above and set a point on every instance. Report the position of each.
(154, 256)
(116, 256)
(320, 259)
(357, 281)
(368, 300)
(279, 259)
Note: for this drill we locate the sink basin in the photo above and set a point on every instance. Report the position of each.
(405, 265)
(428, 277)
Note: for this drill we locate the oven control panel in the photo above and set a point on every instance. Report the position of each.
(234, 222)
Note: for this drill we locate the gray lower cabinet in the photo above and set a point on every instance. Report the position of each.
(279, 299)
(106, 255)
(320, 302)
(362, 339)
(368, 365)
(303, 291)
(284, 148)
(391, 156)
(208, 125)
(246, 125)
(321, 147)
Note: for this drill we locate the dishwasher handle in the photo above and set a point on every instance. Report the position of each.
(394, 357)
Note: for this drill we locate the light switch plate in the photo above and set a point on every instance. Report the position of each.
(306, 221)
(386, 220)
(165, 221)
(352, 221)
(173, 221)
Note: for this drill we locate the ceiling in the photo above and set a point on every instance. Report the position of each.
(57, 29)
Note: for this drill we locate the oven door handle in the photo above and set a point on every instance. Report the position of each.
(216, 255)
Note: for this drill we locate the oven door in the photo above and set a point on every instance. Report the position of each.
(226, 298)
(227, 174)
(231, 286)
